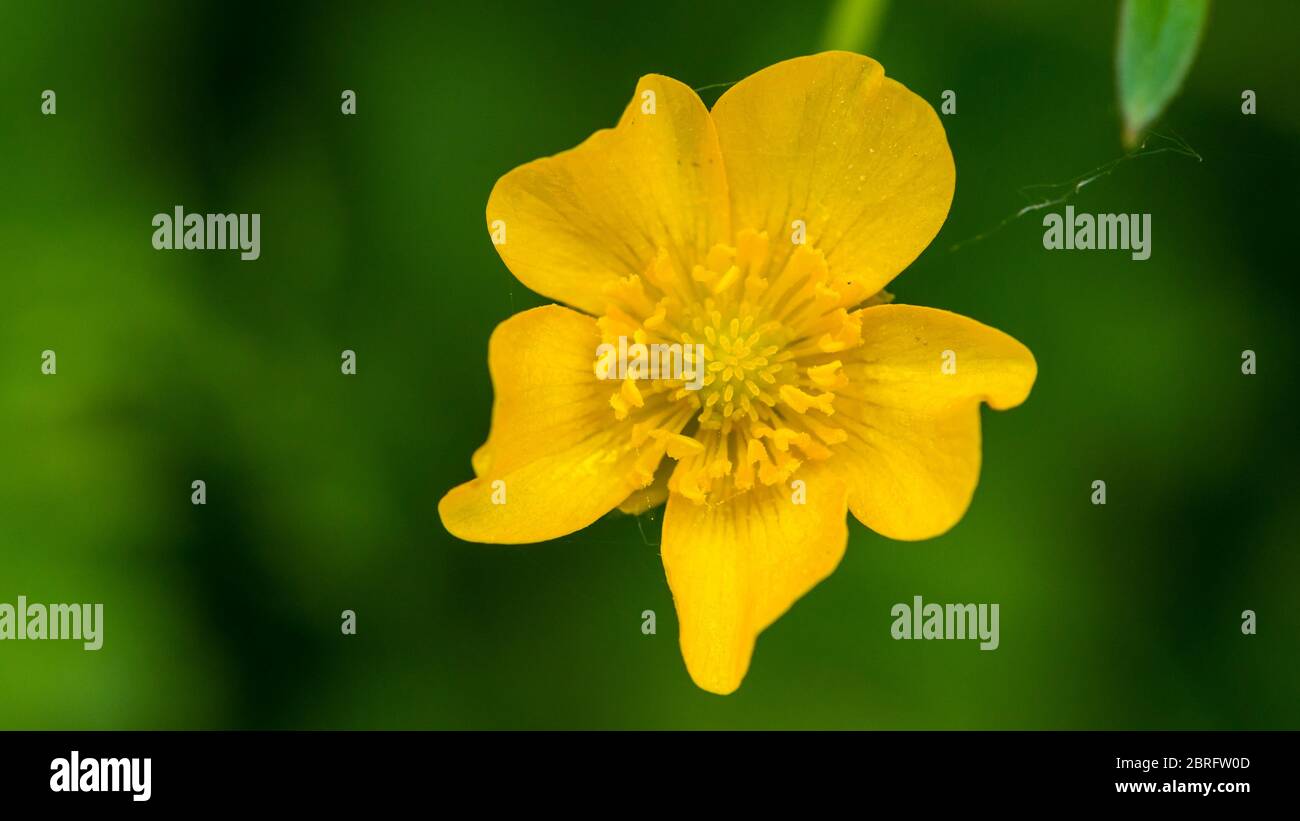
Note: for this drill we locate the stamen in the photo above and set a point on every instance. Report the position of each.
(764, 335)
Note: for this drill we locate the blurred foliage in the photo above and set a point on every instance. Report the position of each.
(853, 25)
(322, 489)
(1157, 44)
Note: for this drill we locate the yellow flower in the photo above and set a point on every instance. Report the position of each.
(764, 230)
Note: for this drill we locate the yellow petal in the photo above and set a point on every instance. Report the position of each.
(912, 457)
(652, 495)
(580, 220)
(561, 459)
(831, 141)
(736, 567)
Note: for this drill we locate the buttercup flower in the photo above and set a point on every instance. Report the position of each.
(763, 230)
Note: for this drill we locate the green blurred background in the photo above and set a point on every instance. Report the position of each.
(322, 488)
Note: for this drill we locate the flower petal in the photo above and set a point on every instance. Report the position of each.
(580, 219)
(828, 139)
(554, 443)
(912, 458)
(652, 495)
(736, 567)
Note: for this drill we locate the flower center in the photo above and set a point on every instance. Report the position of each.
(761, 336)
(743, 363)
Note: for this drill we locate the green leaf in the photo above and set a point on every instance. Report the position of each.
(1157, 43)
(853, 25)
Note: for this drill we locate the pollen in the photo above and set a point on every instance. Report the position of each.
(771, 327)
